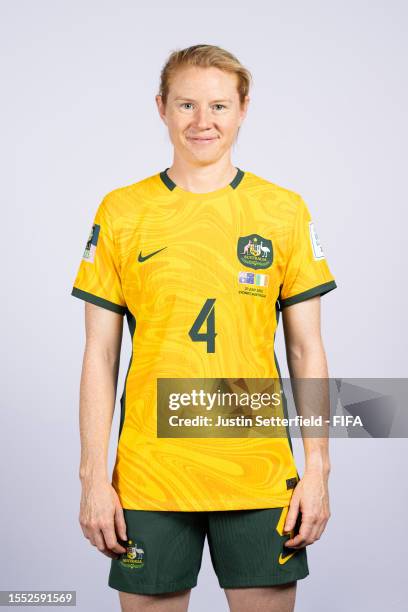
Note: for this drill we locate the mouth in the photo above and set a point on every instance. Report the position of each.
(203, 140)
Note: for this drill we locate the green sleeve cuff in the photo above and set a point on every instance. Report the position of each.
(98, 301)
(305, 295)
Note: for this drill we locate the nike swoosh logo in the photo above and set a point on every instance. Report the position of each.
(143, 258)
(283, 560)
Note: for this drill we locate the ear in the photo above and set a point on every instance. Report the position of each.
(244, 109)
(161, 108)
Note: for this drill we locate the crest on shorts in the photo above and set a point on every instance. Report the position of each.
(89, 253)
(255, 251)
(134, 557)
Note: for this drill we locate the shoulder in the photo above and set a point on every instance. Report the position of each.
(121, 201)
(286, 200)
(265, 187)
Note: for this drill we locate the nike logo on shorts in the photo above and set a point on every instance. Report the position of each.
(283, 560)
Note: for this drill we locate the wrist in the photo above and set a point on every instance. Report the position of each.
(323, 471)
(318, 463)
(92, 474)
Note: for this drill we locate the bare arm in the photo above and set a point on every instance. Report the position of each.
(307, 359)
(101, 515)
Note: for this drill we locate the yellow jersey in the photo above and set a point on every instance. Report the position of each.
(201, 279)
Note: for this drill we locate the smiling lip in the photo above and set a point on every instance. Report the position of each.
(203, 139)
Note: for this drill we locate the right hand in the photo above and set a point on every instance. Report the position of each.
(101, 517)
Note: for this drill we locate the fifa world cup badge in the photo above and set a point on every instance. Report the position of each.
(89, 253)
(315, 242)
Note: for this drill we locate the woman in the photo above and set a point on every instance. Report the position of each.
(201, 258)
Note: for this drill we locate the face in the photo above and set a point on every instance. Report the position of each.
(203, 113)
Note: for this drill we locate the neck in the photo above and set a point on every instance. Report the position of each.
(202, 178)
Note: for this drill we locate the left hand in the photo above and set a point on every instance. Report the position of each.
(311, 497)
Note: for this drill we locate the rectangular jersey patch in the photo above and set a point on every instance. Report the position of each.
(90, 248)
(316, 245)
(291, 483)
(250, 278)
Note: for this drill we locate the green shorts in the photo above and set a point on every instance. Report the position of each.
(164, 550)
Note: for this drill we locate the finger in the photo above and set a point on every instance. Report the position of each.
(120, 523)
(311, 526)
(292, 515)
(314, 535)
(322, 527)
(84, 528)
(301, 539)
(297, 542)
(110, 554)
(111, 540)
(316, 524)
(98, 540)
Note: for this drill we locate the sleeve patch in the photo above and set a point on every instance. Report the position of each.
(89, 253)
(315, 242)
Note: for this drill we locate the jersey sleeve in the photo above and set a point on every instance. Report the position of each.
(307, 273)
(98, 278)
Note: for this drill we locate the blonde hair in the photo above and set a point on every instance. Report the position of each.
(204, 56)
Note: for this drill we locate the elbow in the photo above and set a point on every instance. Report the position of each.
(309, 349)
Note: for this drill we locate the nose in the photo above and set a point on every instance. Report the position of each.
(202, 118)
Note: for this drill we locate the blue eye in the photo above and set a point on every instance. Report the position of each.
(190, 104)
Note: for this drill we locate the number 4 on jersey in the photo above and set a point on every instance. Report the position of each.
(206, 313)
